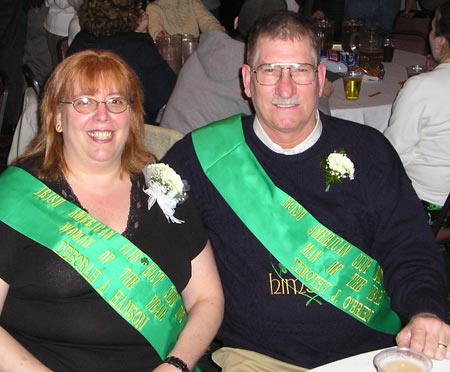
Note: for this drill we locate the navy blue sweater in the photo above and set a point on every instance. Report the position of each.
(378, 212)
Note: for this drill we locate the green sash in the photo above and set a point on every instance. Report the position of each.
(326, 263)
(126, 278)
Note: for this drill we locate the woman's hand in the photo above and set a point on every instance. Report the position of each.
(203, 299)
(142, 23)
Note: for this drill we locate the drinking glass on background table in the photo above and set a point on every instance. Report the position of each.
(188, 45)
(170, 49)
(350, 26)
(398, 359)
(352, 84)
(414, 70)
(325, 32)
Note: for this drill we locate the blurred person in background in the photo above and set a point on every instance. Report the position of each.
(60, 13)
(419, 126)
(209, 85)
(170, 17)
(112, 25)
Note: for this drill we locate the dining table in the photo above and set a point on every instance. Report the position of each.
(376, 97)
(364, 363)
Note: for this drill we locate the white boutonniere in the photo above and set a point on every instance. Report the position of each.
(165, 187)
(337, 166)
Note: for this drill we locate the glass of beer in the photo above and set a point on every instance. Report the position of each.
(398, 359)
(352, 83)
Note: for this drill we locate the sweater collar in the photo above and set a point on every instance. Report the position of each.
(301, 147)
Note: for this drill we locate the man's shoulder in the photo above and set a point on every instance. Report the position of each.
(360, 137)
(346, 127)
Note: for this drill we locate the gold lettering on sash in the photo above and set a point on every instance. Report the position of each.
(153, 274)
(378, 278)
(131, 253)
(311, 252)
(129, 278)
(358, 309)
(49, 196)
(308, 277)
(362, 263)
(129, 310)
(356, 282)
(330, 240)
(171, 295)
(294, 209)
(81, 263)
(156, 307)
(335, 297)
(375, 295)
(106, 257)
(334, 268)
(77, 235)
(101, 290)
(85, 219)
(180, 314)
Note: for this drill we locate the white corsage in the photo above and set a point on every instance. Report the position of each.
(165, 187)
(337, 166)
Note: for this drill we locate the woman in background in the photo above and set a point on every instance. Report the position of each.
(419, 127)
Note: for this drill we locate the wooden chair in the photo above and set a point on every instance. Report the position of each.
(3, 96)
(159, 140)
(411, 34)
(442, 235)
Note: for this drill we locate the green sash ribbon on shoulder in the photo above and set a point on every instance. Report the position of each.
(124, 276)
(327, 264)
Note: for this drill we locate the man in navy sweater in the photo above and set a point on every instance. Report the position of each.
(322, 245)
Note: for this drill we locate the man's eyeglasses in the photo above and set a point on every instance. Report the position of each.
(270, 73)
(86, 105)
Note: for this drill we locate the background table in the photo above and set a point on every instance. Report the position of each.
(364, 363)
(374, 111)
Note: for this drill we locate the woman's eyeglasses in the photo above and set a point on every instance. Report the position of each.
(86, 105)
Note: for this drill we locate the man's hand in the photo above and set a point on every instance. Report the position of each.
(427, 334)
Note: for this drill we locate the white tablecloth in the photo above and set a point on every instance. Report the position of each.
(374, 111)
(364, 363)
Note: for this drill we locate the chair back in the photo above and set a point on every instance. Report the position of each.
(61, 47)
(3, 96)
(411, 34)
(27, 127)
(31, 80)
(159, 140)
(442, 235)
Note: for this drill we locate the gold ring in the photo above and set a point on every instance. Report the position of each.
(442, 346)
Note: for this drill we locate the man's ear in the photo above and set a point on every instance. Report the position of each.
(321, 75)
(246, 72)
(236, 22)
